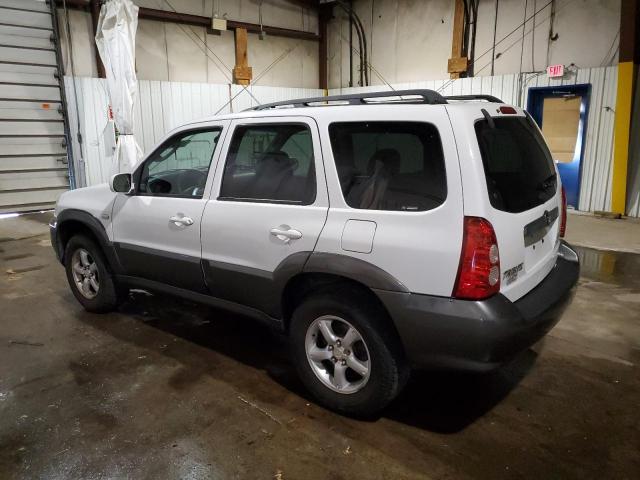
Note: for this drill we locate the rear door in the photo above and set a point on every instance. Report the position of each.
(267, 208)
(516, 187)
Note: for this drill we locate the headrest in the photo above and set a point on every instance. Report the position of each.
(386, 160)
(276, 161)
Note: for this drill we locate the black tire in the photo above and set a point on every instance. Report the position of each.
(388, 369)
(109, 294)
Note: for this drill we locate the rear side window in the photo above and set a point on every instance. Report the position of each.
(517, 164)
(389, 165)
(270, 163)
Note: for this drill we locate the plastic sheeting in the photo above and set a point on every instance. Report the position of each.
(116, 40)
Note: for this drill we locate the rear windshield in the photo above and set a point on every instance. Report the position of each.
(517, 164)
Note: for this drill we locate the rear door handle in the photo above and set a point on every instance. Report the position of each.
(285, 233)
(186, 221)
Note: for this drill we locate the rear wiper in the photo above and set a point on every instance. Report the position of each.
(547, 182)
(488, 118)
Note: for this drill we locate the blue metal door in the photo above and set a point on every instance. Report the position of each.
(570, 169)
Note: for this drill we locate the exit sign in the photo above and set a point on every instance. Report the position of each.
(554, 71)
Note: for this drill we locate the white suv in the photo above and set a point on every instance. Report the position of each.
(379, 231)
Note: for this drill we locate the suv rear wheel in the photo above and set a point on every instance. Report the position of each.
(91, 282)
(346, 354)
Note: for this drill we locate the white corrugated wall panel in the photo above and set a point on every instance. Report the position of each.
(160, 107)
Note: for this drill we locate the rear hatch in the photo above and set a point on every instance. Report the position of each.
(524, 194)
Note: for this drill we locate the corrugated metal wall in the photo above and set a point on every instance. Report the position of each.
(595, 189)
(160, 107)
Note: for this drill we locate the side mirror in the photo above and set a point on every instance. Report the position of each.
(121, 183)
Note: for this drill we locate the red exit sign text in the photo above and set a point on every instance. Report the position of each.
(554, 71)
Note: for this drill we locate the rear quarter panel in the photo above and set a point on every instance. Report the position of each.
(420, 249)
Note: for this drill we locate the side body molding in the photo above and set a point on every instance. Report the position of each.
(253, 287)
(263, 291)
(94, 226)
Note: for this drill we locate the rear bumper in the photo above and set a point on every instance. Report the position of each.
(440, 332)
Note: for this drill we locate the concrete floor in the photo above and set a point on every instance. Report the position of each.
(167, 389)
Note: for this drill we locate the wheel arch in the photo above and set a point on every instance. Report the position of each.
(308, 283)
(73, 222)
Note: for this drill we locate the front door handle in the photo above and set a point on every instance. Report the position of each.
(181, 221)
(285, 233)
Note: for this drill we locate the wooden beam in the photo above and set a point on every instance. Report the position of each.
(202, 21)
(324, 15)
(457, 63)
(242, 72)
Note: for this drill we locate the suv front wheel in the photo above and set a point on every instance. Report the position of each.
(91, 282)
(346, 354)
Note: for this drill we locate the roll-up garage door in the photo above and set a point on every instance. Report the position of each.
(33, 158)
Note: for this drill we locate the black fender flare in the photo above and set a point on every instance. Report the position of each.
(354, 269)
(95, 227)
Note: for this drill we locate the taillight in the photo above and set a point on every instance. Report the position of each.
(563, 214)
(479, 270)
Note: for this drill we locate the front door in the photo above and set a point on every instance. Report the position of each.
(561, 113)
(267, 208)
(157, 229)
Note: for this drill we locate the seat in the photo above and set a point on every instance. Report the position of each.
(369, 194)
(272, 172)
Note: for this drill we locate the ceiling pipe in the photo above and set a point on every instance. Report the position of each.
(205, 22)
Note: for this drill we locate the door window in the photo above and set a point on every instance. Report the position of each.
(270, 163)
(561, 126)
(389, 165)
(179, 168)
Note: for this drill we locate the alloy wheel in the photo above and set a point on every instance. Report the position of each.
(337, 354)
(85, 273)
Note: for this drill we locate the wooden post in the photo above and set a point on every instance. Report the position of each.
(242, 72)
(458, 63)
(324, 15)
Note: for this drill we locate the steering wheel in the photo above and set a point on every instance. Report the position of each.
(196, 181)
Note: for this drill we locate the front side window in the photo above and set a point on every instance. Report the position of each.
(270, 163)
(389, 165)
(180, 167)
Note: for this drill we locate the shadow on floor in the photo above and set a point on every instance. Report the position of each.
(438, 402)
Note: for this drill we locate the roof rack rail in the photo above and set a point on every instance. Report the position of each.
(364, 98)
(488, 98)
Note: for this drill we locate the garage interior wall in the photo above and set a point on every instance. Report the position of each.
(410, 40)
(160, 107)
(595, 187)
(171, 54)
(180, 53)
(633, 185)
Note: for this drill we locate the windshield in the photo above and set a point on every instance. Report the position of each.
(517, 164)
